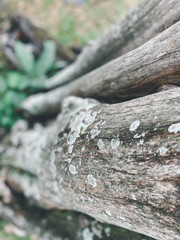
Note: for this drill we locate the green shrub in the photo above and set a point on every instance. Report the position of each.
(16, 86)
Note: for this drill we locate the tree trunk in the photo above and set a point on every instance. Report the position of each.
(137, 73)
(145, 21)
(117, 163)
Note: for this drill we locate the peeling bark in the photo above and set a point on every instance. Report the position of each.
(140, 72)
(117, 163)
(145, 21)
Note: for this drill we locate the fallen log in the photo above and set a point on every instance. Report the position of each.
(138, 73)
(60, 225)
(145, 21)
(117, 163)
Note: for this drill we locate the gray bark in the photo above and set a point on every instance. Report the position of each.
(61, 225)
(137, 73)
(145, 21)
(117, 163)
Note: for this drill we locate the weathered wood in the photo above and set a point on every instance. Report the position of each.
(137, 73)
(117, 163)
(144, 22)
(61, 225)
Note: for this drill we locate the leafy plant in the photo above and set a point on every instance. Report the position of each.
(16, 86)
(25, 58)
(27, 62)
(46, 59)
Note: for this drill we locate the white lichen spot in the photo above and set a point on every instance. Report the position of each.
(83, 148)
(174, 128)
(115, 143)
(59, 149)
(134, 125)
(72, 169)
(141, 142)
(70, 149)
(100, 144)
(68, 160)
(107, 231)
(95, 130)
(121, 218)
(90, 199)
(87, 234)
(139, 135)
(81, 119)
(108, 213)
(52, 164)
(61, 180)
(91, 179)
(133, 196)
(162, 150)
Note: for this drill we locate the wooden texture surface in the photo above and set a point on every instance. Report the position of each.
(137, 73)
(117, 163)
(145, 21)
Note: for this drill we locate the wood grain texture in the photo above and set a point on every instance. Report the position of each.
(117, 163)
(145, 21)
(137, 73)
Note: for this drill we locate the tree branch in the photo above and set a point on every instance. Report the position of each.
(145, 21)
(117, 163)
(137, 73)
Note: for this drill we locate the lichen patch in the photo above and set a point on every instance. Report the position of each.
(141, 142)
(162, 150)
(115, 143)
(139, 135)
(100, 144)
(70, 149)
(83, 148)
(174, 128)
(92, 180)
(108, 213)
(134, 125)
(72, 169)
(80, 121)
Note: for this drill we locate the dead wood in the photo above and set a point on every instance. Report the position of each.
(117, 163)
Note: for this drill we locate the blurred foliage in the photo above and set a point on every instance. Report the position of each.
(7, 236)
(39, 67)
(73, 24)
(15, 86)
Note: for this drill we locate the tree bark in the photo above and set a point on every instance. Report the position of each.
(61, 225)
(137, 73)
(117, 163)
(145, 21)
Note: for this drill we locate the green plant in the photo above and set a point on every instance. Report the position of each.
(42, 65)
(16, 86)
(8, 236)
